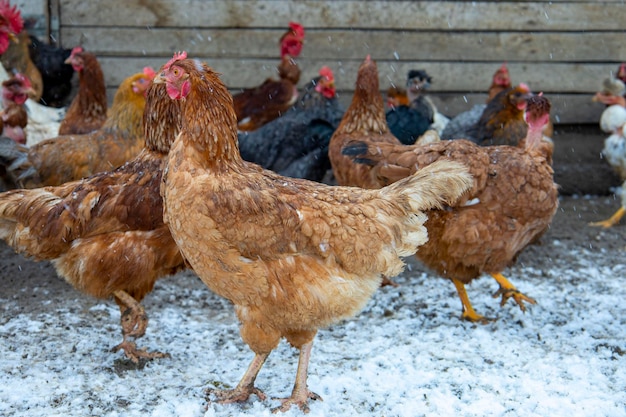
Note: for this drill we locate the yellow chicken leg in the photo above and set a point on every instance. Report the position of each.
(300, 395)
(468, 311)
(245, 387)
(134, 323)
(611, 221)
(508, 290)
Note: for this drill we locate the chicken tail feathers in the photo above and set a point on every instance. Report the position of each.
(433, 186)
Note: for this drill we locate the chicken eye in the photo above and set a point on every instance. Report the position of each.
(176, 72)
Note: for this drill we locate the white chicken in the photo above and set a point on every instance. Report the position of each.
(613, 121)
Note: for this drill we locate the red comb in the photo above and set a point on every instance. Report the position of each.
(178, 56)
(297, 28)
(12, 15)
(149, 72)
(524, 87)
(77, 50)
(327, 73)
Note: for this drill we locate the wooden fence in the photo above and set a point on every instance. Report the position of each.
(564, 48)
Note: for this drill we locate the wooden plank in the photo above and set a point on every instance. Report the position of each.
(447, 77)
(35, 15)
(328, 44)
(402, 15)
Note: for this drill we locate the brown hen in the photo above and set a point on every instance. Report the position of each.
(105, 234)
(502, 122)
(510, 205)
(88, 110)
(72, 157)
(363, 120)
(292, 255)
(259, 105)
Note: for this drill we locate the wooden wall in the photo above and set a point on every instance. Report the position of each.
(564, 48)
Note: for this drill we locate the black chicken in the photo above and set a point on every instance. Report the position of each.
(55, 73)
(296, 144)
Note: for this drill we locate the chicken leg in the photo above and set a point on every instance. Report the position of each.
(508, 290)
(468, 311)
(134, 323)
(611, 221)
(300, 394)
(245, 387)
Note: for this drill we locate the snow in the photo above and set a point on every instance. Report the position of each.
(406, 354)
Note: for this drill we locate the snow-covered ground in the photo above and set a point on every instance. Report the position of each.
(406, 354)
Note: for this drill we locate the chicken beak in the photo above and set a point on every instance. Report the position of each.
(159, 79)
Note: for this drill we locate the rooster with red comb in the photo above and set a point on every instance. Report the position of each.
(11, 24)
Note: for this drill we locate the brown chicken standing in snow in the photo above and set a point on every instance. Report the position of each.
(510, 205)
(292, 255)
(88, 110)
(72, 157)
(105, 234)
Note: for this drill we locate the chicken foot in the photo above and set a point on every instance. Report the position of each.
(245, 387)
(134, 322)
(300, 395)
(508, 290)
(468, 311)
(611, 221)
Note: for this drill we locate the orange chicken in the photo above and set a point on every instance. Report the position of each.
(292, 255)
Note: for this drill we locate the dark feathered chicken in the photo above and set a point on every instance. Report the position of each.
(409, 122)
(502, 122)
(296, 144)
(55, 73)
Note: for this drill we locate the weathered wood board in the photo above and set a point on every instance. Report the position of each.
(564, 48)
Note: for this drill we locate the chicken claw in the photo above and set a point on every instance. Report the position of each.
(134, 322)
(508, 290)
(301, 399)
(611, 221)
(239, 394)
(245, 387)
(300, 394)
(469, 313)
(134, 354)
